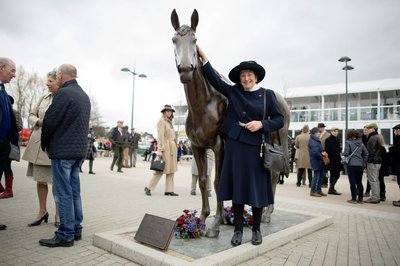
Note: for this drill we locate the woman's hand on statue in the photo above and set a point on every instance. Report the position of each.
(202, 55)
(254, 126)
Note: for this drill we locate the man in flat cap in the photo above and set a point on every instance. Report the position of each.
(374, 161)
(394, 151)
(117, 138)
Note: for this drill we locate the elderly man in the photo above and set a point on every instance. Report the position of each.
(8, 124)
(374, 162)
(64, 138)
(117, 138)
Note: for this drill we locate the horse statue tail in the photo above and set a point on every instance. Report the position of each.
(282, 139)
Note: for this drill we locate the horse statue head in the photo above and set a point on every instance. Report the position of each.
(184, 41)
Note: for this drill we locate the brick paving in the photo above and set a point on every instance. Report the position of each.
(360, 235)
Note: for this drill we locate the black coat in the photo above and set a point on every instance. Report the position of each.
(66, 123)
(374, 148)
(332, 147)
(12, 135)
(394, 152)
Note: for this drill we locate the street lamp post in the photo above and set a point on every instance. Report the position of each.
(346, 59)
(134, 74)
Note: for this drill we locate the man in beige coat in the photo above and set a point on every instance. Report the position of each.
(303, 155)
(167, 151)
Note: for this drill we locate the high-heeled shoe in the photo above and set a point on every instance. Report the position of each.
(45, 218)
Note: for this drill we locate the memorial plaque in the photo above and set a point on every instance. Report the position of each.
(155, 231)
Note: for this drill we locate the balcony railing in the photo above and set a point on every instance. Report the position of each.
(339, 114)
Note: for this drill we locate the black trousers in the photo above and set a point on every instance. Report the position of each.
(300, 173)
(118, 157)
(334, 176)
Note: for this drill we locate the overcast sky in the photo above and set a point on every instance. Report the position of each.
(298, 42)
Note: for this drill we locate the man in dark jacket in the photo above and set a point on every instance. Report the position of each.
(8, 125)
(394, 152)
(117, 138)
(64, 138)
(332, 147)
(374, 162)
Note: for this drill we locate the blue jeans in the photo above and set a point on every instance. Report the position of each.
(68, 197)
(316, 181)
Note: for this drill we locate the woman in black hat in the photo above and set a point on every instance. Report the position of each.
(167, 151)
(243, 179)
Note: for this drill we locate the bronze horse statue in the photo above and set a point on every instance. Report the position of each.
(206, 109)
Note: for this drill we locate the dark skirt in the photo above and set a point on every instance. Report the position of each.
(243, 178)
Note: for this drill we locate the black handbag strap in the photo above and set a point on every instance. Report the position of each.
(265, 109)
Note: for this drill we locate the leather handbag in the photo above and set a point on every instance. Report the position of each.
(325, 158)
(157, 165)
(274, 158)
(14, 153)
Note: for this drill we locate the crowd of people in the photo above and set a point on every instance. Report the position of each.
(366, 152)
(63, 137)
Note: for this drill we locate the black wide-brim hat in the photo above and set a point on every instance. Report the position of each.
(234, 75)
(167, 107)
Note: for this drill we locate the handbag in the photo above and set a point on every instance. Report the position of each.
(157, 165)
(273, 157)
(273, 154)
(14, 153)
(325, 158)
(346, 159)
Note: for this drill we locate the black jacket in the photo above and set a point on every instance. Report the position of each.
(332, 147)
(244, 109)
(12, 135)
(66, 123)
(374, 148)
(394, 152)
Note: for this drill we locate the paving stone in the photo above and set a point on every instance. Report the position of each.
(362, 234)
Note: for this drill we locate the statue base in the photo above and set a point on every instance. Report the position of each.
(286, 226)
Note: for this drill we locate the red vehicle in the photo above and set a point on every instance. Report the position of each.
(24, 136)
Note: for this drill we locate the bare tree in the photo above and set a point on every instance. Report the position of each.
(95, 115)
(26, 89)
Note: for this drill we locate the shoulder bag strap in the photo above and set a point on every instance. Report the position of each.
(353, 152)
(265, 109)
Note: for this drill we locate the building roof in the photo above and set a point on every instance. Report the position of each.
(340, 88)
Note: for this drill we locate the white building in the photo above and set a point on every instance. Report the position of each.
(371, 101)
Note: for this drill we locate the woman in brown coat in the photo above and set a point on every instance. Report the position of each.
(39, 167)
(167, 151)
(303, 155)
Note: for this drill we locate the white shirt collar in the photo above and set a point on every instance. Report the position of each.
(256, 87)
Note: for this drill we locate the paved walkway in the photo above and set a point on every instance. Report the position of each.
(361, 234)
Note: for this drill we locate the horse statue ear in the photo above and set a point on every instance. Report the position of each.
(194, 20)
(175, 20)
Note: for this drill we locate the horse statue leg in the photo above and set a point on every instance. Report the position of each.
(200, 157)
(213, 230)
(267, 211)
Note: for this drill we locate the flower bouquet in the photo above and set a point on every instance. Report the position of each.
(189, 226)
(229, 217)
